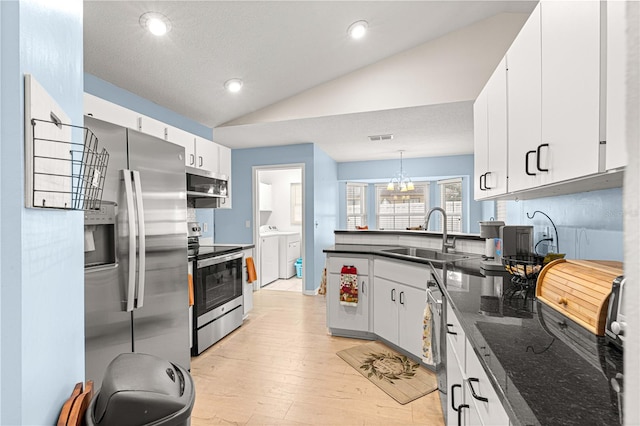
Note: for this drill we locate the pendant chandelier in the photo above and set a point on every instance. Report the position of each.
(400, 182)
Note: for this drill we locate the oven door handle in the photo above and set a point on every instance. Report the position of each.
(126, 176)
(218, 259)
(142, 235)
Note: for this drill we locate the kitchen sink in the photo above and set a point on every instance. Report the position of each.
(428, 254)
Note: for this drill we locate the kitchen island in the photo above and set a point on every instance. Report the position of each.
(536, 377)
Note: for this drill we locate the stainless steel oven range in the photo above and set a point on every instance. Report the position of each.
(217, 309)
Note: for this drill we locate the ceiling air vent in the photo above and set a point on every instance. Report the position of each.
(379, 138)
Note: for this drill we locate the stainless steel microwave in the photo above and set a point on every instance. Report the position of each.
(206, 184)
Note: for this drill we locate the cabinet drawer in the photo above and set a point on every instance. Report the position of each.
(455, 334)
(336, 264)
(491, 411)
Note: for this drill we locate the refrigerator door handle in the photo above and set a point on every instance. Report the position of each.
(141, 240)
(126, 175)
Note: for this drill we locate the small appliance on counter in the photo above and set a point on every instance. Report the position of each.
(490, 231)
(616, 320)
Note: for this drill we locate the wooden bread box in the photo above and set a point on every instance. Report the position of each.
(579, 289)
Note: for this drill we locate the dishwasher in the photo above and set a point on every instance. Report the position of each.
(436, 301)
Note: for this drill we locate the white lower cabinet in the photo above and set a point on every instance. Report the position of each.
(399, 299)
(344, 317)
(268, 259)
(472, 398)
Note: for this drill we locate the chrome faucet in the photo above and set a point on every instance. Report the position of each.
(445, 244)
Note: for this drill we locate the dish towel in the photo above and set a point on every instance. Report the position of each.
(251, 270)
(190, 290)
(349, 285)
(428, 346)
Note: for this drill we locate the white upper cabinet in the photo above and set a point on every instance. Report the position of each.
(571, 124)
(207, 157)
(106, 111)
(186, 140)
(490, 136)
(152, 127)
(616, 84)
(555, 97)
(524, 104)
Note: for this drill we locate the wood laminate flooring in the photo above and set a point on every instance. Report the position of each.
(281, 368)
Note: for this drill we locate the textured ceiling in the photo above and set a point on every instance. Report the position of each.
(279, 49)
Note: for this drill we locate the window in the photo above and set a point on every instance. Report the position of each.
(451, 202)
(296, 203)
(401, 210)
(356, 205)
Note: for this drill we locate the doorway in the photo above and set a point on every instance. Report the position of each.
(278, 210)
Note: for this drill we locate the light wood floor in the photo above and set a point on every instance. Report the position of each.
(281, 368)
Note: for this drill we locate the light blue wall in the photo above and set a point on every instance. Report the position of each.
(230, 224)
(589, 224)
(42, 293)
(325, 214)
(112, 93)
(419, 169)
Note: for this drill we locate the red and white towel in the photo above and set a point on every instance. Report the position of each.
(349, 285)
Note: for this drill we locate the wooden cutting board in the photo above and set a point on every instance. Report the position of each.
(579, 289)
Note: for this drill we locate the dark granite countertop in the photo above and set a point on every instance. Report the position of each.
(542, 375)
(459, 235)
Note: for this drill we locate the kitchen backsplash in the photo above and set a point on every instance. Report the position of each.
(589, 224)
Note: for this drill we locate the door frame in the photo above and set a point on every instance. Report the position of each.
(255, 195)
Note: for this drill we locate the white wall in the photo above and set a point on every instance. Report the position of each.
(280, 181)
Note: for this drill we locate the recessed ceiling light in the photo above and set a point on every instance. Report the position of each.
(233, 85)
(156, 23)
(358, 29)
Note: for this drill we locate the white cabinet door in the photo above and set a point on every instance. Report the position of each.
(490, 135)
(344, 317)
(411, 304)
(570, 143)
(455, 382)
(524, 104)
(495, 180)
(616, 84)
(265, 197)
(491, 411)
(206, 155)
(152, 127)
(480, 144)
(186, 140)
(385, 308)
(268, 259)
(112, 113)
(225, 160)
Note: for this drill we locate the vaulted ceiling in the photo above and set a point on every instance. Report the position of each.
(414, 75)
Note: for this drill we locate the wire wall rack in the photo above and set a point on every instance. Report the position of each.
(64, 174)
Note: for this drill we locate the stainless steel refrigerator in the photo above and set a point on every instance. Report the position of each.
(136, 293)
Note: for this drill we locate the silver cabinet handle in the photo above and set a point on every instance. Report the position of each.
(200, 157)
(142, 249)
(192, 160)
(401, 298)
(363, 287)
(393, 294)
(126, 176)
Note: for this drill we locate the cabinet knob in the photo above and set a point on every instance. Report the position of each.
(563, 301)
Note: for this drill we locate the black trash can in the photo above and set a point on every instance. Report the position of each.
(141, 389)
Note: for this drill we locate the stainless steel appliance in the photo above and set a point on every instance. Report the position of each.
(136, 293)
(218, 300)
(516, 240)
(206, 189)
(436, 300)
(616, 319)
